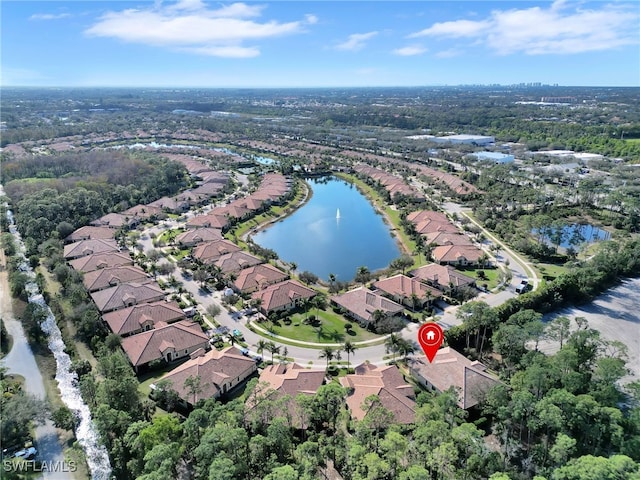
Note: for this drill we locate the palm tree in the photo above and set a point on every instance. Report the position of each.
(391, 344)
(285, 353)
(293, 266)
(327, 352)
(273, 348)
(362, 275)
(193, 386)
(405, 348)
(332, 278)
(377, 316)
(349, 348)
(261, 346)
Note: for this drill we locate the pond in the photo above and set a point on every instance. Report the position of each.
(572, 235)
(336, 231)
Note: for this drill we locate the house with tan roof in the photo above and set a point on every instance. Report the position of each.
(446, 238)
(407, 291)
(143, 317)
(209, 220)
(90, 233)
(168, 343)
(111, 276)
(209, 189)
(427, 226)
(388, 384)
(100, 260)
(89, 247)
(169, 204)
(258, 277)
(290, 380)
(144, 212)
(209, 252)
(126, 295)
(219, 372)
(442, 277)
(115, 220)
(457, 254)
(235, 261)
(283, 296)
(199, 235)
(452, 369)
(360, 303)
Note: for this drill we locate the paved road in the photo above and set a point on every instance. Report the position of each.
(20, 361)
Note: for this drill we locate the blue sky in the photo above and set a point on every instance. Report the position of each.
(193, 43)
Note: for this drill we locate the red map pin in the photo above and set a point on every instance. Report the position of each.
(430, 337)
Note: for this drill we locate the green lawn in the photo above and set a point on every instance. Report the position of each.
(148, 378)
(550, 270)
(331, 328)
(492, 276)
(166, 236)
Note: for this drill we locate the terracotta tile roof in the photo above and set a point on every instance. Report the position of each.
(154, 344)
(208, 252)
(453, 253)
(142, 211)
(126, 295)
(209, 189)
(403, 286)
(89, 247)
(113, 220)
(362, 302)
(434, 226)
(282, 294)
(211, 176)
(89, 233)
(215, 369)
(132, 319)
(447, 238)
(236, 261)
(452, 369)
(108, 277)
(395, 394)
(258, 277)
(171, 204)
(213, 221)
(422, 215)
(441, 275)
(191, 237)
(100, 260)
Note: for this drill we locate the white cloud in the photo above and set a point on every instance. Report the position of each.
(190, 26)
(410, 50)
(49, 16)
(560, 28)
(356, 41)
(450, 53)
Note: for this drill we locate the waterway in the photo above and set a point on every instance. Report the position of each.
(86, 433)
(336, 231)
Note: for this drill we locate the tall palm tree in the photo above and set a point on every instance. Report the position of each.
(273, 348)
(261, 346)
(391, 344)
(405, 348)
(349, 348)
(327, 352)
(362, 274)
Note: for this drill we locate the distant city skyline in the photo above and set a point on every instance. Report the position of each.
(282, 44)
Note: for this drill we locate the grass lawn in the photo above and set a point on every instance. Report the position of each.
(492, 276)
(551, 270)
(148, 378)
(331, 329)
(167, 235)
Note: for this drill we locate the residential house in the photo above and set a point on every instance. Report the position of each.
(111, 276)
(89, 247)
(143, 317)
(408, 291)
(361, 302)
(144, 212)
(388, 384)
(168, 343)
(442, 277)
(115, 220)
(235, 261)
(288, 379)
(258, 277)
(126, 295)
(461, 255)
(209, 252)
(219, 372)
(172, 205)
(446, 238)
(199, 235)
(452, 369)
(90, 233)
(100, 260)
(283, 296)
(209, 220)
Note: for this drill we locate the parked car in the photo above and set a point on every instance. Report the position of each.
(523, 287)
(26, 453)
(237, 334)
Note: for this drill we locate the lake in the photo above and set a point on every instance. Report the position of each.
(319, 240)
(574, 235)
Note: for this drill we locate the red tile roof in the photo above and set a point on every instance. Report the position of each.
(126, 295)
(192, 237)
(216, 370)
(108, 277)
(454, 253)
(362, 302)
(282, 294)
(452, 369)
(236, 261)
(395, 394)
(89, 232)
(133, 319)
(258, 277)
(208, 252)
(403, 286)
(100, 260)
(442, 275)
(154, 344)
(89, 247)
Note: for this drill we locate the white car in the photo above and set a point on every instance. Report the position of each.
(26, 453)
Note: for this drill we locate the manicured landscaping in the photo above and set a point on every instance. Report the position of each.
(491, 276)
(330, 328)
